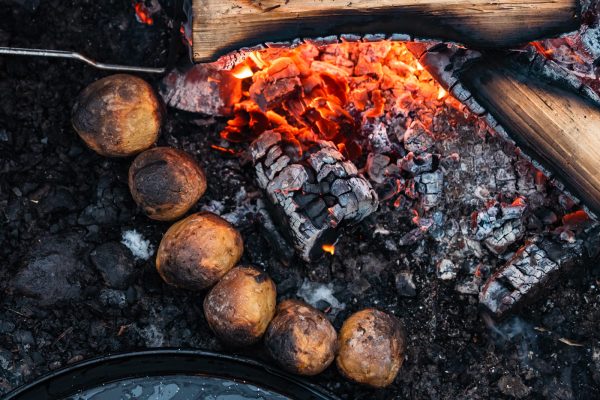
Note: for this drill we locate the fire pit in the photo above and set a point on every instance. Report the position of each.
(446, 187)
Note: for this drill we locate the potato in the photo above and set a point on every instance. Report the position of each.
(240, 306)
(301, 339)
(166, 182)
(198, 250)
(118, 116)
(371, 348)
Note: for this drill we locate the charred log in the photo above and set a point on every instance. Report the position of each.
(221, 26)
(312, 193)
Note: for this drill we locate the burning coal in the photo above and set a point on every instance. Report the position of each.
(339, 93)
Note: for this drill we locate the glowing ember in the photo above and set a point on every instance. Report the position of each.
(542, 50)
(224, 150)
(184, 36)
(335, 92)
(575, 219)
(143, 14)
(329, 248)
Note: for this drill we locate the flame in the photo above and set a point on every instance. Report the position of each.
(441, 93)
(242, 71)
(329, 248)
(331, 92)
(142, 14)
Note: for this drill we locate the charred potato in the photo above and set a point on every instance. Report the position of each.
(240, 306)
(166, 182)
(371, 348)
(301, 339)
(198, 250)
(118, 116)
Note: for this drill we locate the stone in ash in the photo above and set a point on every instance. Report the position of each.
(313, 192)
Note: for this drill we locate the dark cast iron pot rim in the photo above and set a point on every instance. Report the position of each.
(100, 370)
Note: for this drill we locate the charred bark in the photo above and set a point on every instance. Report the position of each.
(532, 268)
(312, 192)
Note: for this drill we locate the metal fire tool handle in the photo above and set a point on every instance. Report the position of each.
(16, 51)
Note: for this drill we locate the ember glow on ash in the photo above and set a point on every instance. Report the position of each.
(337, 92)
(142, 13)
(329, 248)
(542, 50)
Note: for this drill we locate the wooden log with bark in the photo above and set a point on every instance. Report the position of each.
(224, 26)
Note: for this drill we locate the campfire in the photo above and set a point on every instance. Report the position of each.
(303, 200)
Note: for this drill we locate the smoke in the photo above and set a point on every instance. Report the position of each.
(517, 332)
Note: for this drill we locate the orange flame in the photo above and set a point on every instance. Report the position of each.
(329, 248)
(441, 93)
(142, 14)
(242, 71)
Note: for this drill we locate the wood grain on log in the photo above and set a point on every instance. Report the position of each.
(558, 126)
(223, 26)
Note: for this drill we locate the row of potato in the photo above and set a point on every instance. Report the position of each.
(120, 116)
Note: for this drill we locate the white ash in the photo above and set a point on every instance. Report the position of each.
(314, 293)
(470, 287)
(113, 298)
(446, 270)
(214, 206)
(152, 336)
(140, 248)
(378, 138)
(377, 165)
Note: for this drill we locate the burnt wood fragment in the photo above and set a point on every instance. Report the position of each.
(531, 269)
(312, 193)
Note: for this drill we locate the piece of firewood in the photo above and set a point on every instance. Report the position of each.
(559, 127)
(224, 26)
(533, 268)
(313, 191)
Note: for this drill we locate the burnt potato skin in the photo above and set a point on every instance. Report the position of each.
(165, 182)
(240, 306)
(372, 345)
(301, 339)
(118, 116)
(198, 250)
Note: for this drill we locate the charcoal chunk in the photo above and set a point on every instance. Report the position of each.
(115, 264)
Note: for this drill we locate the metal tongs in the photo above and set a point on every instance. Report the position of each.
(16, 51)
